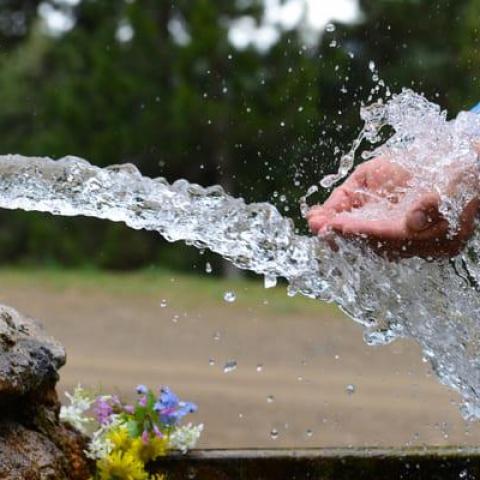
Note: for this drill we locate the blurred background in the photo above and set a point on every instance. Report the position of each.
(262, 97)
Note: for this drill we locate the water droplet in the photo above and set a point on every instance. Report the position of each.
(208, 267)
(274, 434)
(216, 336)
(163, 303)
(351, 389)
(229, 297)
(259, 367)
(309, 433)
(330, 27)
(230, 366)
(282, 124)
(371, 65)
(175, 318)
(333, 44)
(463, 474)
(270, 281)
(211, 362)
(270, 399)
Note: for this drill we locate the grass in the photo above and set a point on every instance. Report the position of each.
(193, 290)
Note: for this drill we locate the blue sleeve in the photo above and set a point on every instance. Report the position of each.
(476, 108)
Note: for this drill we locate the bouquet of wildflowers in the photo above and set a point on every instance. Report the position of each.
(126, 439)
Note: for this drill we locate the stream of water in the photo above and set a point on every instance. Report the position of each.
(434, 302)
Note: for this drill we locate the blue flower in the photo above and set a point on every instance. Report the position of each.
(142, 389)
(170, 409)
(167, 399)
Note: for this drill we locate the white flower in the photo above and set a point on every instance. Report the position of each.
(100, 446)
(185, 438)
(74, 414)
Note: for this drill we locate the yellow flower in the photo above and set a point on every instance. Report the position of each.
(121, 466)
(156, 447)
(120, 438)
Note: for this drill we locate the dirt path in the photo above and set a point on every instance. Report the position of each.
(309, 355)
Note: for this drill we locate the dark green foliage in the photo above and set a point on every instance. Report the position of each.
(190, 105)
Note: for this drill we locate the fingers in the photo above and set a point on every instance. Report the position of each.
(317, 223)
(422, 221)
(424, 214)
(341, 200)
(476, 146)
(379, 229)
(317, 217)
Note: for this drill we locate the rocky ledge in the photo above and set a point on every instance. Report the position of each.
(34, 444)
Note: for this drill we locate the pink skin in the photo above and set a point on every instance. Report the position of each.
(416, 230)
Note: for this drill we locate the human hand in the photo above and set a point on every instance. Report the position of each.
(377, 203)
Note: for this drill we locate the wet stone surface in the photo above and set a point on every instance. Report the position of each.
(325, 464)
(33, 442)
(28, 356)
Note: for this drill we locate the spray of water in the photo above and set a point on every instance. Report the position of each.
(436, 303)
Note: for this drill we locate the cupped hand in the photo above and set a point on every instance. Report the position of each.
(406, 222)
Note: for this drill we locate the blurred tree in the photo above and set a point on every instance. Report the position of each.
(16, 20)
(159, 84)
(430, 46)
(469, 58)
(423, 54)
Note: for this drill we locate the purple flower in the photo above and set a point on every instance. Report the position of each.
(145, 437)
(143, 401)
(157, 431)
(142, 390)
(103, 410)
(170, 409)
(129, 409)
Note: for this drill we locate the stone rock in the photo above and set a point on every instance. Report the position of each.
(28, 356)
(34, 444)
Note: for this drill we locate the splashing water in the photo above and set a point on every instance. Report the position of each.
(436, 303)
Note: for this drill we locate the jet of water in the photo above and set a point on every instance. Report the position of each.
(436, 303)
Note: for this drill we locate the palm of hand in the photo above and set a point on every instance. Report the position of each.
(377, 203)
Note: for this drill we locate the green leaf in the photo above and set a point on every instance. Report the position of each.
(133, 430)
